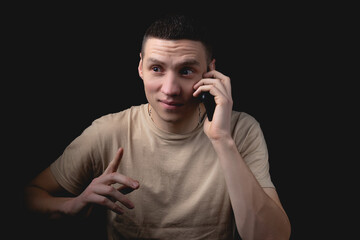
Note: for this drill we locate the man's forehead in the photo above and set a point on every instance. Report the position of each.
(160, 48)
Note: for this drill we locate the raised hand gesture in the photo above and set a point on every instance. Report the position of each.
(100, 191)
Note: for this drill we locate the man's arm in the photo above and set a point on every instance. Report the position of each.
(41, 194)
(258, 212)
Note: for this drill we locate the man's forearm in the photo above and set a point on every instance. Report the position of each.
(257, 215)
(40, 201)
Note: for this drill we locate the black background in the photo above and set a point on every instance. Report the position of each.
(69, 65)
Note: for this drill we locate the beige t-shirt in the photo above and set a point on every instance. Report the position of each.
(182, 192)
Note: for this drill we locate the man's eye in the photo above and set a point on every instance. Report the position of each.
(186, 71)
(156, 69)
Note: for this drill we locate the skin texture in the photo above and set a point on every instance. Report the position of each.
(174, 73)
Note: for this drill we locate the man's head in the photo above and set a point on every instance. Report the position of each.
(175, 54)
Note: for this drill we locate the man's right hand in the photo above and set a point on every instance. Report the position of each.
(102, 193)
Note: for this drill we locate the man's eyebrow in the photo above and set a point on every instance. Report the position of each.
(186, 62)
(190, 62)
(154, 61)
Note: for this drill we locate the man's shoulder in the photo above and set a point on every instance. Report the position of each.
(119, 119)
(239, 117)
(121, 115)
(244, 124)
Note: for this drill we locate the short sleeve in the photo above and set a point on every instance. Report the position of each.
(252, 147)
(77, 165)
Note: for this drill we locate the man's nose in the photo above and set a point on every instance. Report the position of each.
(170, 85)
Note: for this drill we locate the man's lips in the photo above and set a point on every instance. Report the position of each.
(171, 104)
(174, 103)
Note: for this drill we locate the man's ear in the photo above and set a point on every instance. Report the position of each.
(140, 67)
(212, 65)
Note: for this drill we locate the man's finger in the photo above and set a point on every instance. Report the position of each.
(113, 195)
(125, 189)
(104, 201)
(223, 78)
(116, 177)
(114, 164)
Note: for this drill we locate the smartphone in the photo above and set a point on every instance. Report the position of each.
(209, 103)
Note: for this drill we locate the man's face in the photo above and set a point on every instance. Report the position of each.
(169, 69)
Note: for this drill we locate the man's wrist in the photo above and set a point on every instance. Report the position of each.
(224, 143)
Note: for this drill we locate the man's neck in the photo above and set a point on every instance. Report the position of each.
(186, 125)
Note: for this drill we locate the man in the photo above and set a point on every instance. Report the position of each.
(162, 169)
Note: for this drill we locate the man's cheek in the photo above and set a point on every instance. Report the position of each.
(151, 88)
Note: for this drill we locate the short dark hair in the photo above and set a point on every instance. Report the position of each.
(177, 27)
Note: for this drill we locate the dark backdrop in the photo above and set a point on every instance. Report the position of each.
(73, 64)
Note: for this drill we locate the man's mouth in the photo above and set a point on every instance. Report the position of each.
(168, 104)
